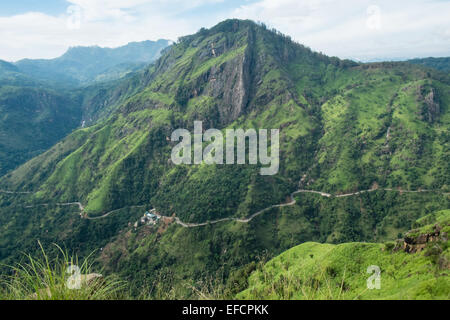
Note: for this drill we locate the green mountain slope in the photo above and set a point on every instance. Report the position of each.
(32, 120)
(81, 65)
(12, 76)
(98, 101)
(7, 67)
(344, 127)
(325, 271)
(34, 117)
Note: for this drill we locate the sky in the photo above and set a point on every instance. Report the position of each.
(364, 30)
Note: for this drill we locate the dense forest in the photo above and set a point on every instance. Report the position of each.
(344, 127)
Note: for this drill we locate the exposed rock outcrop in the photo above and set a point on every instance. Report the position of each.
(413, 242)
(431, 109)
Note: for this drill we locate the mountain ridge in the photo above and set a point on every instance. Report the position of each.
(344, 127)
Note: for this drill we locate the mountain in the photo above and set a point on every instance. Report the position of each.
(7, 67)
(32, 120)
(344, 127)
(82, 65)
(36, 116)
(33, 117)
(442, 64)
(11, 75)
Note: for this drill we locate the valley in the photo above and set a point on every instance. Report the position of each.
(364, 154)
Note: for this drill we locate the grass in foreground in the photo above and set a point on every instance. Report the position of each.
(62, 278)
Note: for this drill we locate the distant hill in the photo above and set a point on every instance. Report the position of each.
(32, 120)
(10, 75)
(84, 65)
(412, 268)
(442, 64)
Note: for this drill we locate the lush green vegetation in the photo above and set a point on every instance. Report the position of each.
(308, 271)
(326, 271)
(37, 112)
(344, 127)
(83, 65)
(32, 120)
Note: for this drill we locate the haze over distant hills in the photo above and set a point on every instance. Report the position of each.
(41, 101)
(84, 65)
(364, 152)
(442, 64)
(438, 63)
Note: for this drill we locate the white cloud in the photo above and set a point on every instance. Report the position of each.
(362, 29)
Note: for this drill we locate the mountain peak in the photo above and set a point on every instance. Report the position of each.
(81, 65)
(258, 34)
(239, 64)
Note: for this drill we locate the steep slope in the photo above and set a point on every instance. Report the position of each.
(344, 127)
(212, 77)
(37, 112)
(7, 67)
(394, 121)
(82, 65)
(34, 117)
(98, 101)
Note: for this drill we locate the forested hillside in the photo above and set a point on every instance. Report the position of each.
(411, 268)
(83, 65)
(344, 127)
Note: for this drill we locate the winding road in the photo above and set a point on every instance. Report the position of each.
(84, 215)
(293, 202)
(108, 213)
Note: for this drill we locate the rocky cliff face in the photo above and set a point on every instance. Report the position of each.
(433, 239)
(431, 107)
(230, 70)
(413, 242)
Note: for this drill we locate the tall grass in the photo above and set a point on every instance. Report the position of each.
(43, 278)
(301, 286)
